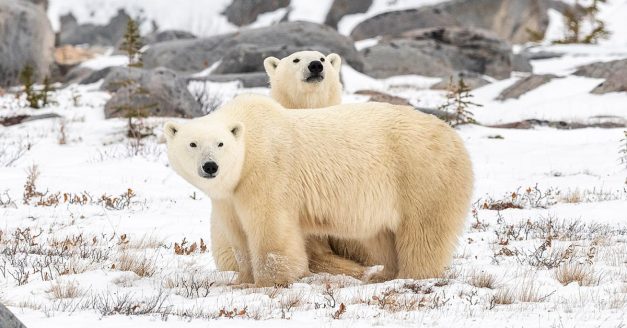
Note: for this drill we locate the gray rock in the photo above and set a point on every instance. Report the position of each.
(601, 70)
(598, 122)
(8, 319)
(378, 96)
(615, 73)
(341, 8)
(104, 35)
(472, 80)
(616, 82)
(117, 77)
(243, 52)
(394, 23)
(248, 80)
(157, 92)
(168, 35)
(439, 52)
(525, 85)
(521, 63)
(540, 55)
(244, 12)
(95, 76)
(43, 3)
(509, 19)
(26, 38)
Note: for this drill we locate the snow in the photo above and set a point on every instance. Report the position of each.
(102, 62)
(561, 179)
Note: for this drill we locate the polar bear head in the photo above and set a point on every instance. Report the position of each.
(208, 153)
(305, 79)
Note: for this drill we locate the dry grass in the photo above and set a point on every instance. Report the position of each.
(65, 289)
(503, 296)
(583, 274)
(141, 265)
(482, 279)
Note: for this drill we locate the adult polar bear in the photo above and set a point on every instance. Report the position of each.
(370, 171)
(306, 79)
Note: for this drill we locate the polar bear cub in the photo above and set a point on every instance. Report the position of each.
(305, 79)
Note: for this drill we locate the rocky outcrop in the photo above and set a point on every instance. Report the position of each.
(525, 85)
(512, 20)
(26, 38)
(248, 80)
(244, 12)
(8, 319)
(439, 52)
(341, 8)
(244, 52)
(103, 35)
(157, 92)
(168, 35)
(614, 73)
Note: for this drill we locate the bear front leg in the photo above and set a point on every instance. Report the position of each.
(277, 246)
(230, 250)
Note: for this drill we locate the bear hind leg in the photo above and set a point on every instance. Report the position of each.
(323, 259)
(425, 247)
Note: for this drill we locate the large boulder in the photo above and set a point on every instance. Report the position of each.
(157, 92)
(26, 38)
(614, 73)
(8, 319)
(513, 20)
(617, 82)
(244, 12)
(244, 51)
(341, 8)
(439, 52)
(103, 35)
(248, 80)
(601, 70)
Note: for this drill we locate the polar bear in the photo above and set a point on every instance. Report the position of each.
(305, 79)
(383, 174)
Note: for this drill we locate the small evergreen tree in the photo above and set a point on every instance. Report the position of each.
(132, 44)
(28, 83)
(458, 103)
(622, 151)
(45, 92)
(575, 19)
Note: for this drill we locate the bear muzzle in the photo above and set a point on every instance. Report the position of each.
(315, 72)
(209, 170)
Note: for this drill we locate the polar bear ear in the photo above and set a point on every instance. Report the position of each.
(237, 130)
(271, 64)
(335, 60)
(170, 129)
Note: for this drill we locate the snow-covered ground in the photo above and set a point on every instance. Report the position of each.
(115, 261)
(109, 240)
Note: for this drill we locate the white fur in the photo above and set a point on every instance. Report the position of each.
(289, 85)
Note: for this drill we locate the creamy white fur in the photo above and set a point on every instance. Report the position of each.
(288, 85)
(373, 172)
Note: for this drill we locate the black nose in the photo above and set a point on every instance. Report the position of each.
(210, 168)
(315, 66)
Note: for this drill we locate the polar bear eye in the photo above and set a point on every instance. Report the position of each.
(220, 144)
(322, 59)
(192, 144)
(296, 60)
